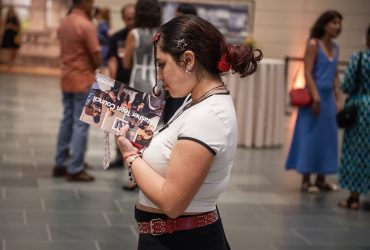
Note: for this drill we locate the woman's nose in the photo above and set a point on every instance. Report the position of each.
(160, 77)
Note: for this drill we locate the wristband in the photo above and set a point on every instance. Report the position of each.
(127, 156)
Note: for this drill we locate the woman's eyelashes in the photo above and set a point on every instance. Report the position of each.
(160, 65)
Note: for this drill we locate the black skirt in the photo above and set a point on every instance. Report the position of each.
(210, 237)
(9, 40)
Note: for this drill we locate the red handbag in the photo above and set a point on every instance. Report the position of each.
(300, 97)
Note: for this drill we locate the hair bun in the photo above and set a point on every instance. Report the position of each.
(243, 59)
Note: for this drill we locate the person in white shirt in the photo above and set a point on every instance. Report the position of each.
(188, 162)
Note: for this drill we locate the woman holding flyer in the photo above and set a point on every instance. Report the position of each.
(188, 162)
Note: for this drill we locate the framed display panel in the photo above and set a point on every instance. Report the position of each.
(234, 19)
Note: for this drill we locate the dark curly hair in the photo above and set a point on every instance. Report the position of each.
(148, 14)
(186, 9)
(318, 29)
(208, 44)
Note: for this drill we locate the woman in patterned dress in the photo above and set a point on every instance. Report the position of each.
(314, 148)
(354, 171)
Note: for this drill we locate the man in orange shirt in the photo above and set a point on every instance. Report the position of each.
(80, 57)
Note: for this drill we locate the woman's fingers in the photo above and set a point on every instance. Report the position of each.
(123, 143)
(123, 131)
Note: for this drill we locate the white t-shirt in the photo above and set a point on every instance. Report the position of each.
(212, 123)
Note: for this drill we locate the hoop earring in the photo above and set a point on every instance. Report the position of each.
(188, 71)
(156, 91)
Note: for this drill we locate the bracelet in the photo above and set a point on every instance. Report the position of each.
(129, 165)
(127, 156)
(132, 159)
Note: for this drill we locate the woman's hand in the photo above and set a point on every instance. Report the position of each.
(124, 144)
(316, 105)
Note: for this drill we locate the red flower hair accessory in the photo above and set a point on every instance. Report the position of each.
(156, 37)
(222, 64)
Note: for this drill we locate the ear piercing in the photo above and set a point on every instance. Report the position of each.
(188, 70)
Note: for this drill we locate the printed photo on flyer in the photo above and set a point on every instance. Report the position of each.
(111, 105)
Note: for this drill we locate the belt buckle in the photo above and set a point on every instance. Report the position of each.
(151, 226)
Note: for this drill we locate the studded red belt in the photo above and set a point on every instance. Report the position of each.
(159, 226)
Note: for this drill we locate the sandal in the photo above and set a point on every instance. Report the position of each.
(351, 203)
(328, 187)
(309, 188)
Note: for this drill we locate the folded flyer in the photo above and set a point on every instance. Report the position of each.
(110, 105)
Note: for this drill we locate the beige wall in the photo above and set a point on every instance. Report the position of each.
(281, 27)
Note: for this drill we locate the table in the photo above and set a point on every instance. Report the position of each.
(259, 104)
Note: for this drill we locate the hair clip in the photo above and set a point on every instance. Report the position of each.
(181, 44)
(156, 37)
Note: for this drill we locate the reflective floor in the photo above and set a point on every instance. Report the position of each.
(262, 209)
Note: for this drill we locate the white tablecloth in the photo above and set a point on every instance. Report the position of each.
(259, 104)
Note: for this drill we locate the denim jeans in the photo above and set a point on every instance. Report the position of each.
(72, 137)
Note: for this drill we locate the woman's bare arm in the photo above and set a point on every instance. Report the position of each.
(129, 50)
(309, 60)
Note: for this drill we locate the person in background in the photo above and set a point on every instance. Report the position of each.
(188, 162)
(314, 147)
(116, 53)
(186, 9)
(80, 57)
(139, 50)
(354, 171)
(11, 38)
(102, 18)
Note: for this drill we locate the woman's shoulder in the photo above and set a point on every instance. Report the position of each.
(313, 42)
(133, 31)
(365, 52)
(356, 55)
(213, 109)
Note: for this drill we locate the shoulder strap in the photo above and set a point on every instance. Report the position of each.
(317, 47)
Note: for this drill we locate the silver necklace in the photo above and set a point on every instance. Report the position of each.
(205, 96)
(220, 89)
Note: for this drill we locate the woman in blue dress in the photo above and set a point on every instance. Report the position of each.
(354, 171)
(314, 148)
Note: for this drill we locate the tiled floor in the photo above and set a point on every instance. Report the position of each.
(262, 208)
